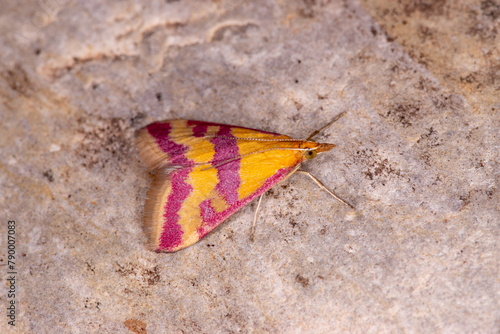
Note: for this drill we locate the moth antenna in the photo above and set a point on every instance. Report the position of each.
(315, 132)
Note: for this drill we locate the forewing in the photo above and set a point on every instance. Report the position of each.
(185, 205)
(183, 143)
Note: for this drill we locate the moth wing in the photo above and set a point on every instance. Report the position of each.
(186, 204)
(207, 172)
(182, 143)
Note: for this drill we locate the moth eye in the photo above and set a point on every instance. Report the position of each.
(311, 154)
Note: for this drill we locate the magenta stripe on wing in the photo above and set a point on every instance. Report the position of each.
(171, 236)
(161, 133)
(229, 172)
(212, 219)
(199, 128)
(207, 212)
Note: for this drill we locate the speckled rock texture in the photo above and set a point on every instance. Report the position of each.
(417, 154)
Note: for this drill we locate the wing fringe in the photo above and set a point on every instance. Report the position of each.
(153, 209)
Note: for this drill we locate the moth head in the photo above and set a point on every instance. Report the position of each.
(311, 148)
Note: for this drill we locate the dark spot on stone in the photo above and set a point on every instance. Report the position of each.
(103, 140)
(298, 105)
(465, 198)
(377, 168)
(468, 79)
(302, 280)
(137, 119)
(18, 80)
(427, 7)
(431, 138)
(152, 276)
(491, 9)
(404, 113)
(136, 326)
(49, 175)
(307, 10)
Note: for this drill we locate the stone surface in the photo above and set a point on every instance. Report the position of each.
(418, 155)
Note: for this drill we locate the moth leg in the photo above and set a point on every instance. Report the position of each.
(322, 186)
(252, 234)
(291, 173)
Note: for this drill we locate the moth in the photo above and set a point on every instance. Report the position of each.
(208, 171)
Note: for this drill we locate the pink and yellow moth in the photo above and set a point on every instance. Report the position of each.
(208, 171)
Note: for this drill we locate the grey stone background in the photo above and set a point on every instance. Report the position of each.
(417, 155)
